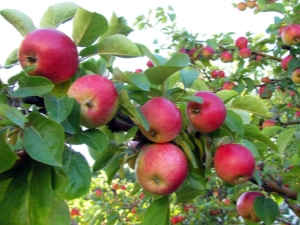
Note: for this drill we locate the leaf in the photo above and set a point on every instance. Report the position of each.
(60, 214)
(158, 212)
(274, 7)
(58, 14)
(95, 139)
(58, 108)
(72, 123)
(188, 152)
(12, 114)
(118, 45)
(19, 20)
(7, 156)
(79, 173)
(261, 4)
(252, 132)
(284, 139)
(179, 59)
(88, 27)
(188, 77)
(33, 86)
(200, 85)
(103, 160)
(197, 181)
(227, 95)
(114, 166)
(43, 139)
(251, 105)
(25, 194)
(266, 209)
(95, 66)
(193, 98)
(140, 80)
(12, 59)
(234, 122)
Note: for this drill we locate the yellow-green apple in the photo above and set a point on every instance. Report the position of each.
(98, 99)
(268, 123)
(241, 42)
(228, 85)
(296, 76)
(245, 52)
(226, 57)
(291, 34)
(214, 74)
(52, 52)
(265, 80)
(164, 118)
(264, 92)
(207, 116)
(285, 62)
(161, 168)
(234, 163)
(208, 51)
(251, 4)
(245, 206)
(241, 6)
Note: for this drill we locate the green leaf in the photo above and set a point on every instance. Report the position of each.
(95, 66)
(7, 156)
(103, 160)
(44, 139)
(200, 85)
(188, 77)
(33, 86)
(157, 75)
(114, 166)
(227, 95)
(58, 14)
(186, 193)
(118, 45)
(72, 123)
(197, 181)
(158, 212)
(12, 114)
(212, 43)
(140, 80)
(58, 108)
(79, 173)
(179, 59)
(274, 7)
(234, 122)
(284, 139)
(266, 209)
(60, 214)
(262, 4)
(19, 20)
(12, 59)
(252, 132)
(192, 98)
(25, 194)
(88, 27)
(188, 151)
(95, 139)
(251, 105)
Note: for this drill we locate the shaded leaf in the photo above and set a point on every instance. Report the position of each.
(266, 209)
(95, 139)
(188, 77)
(7, 156)
(284, 139)
(158, 212)
(12, 114)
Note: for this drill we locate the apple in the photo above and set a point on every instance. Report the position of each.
(280, 31)
(241, 42)
(245, 52)
(208, 116)
(221, 73)
(228, 85)
(241, 6)
(194, 53)
(98, 99)
(297, 114)
(174, 220)
(214, 74)
(164, 118)
(226, 57)
(161, 168)
(183, 50)
(52, 52)
(226, 201)
(234, 163)
(292, 93)
(264, 92)
(98, 192)
(245, 206)
(150, 63)
(296, 76)
(75, 212)
(291, 34)
(133, 210)
(138, 71)
(285, 62)
(265, 80)
(268, 123)
(251, 3)
(208, 52)
(258, 58)
(289, 105)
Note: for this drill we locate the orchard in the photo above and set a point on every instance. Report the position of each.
(208, 133)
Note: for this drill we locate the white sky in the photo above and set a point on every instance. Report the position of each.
(199, 16)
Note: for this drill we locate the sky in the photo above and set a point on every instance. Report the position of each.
(205, 17)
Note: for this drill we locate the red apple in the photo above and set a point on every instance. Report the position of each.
(234, 163)
(208, 116)
(98, 192)
(194, 53)
(265, 80)
(138, 71)
(289, 105)
(297, 114)
(245, 52)
(241, 6)
(183, 50)
(241, 42)
(251, 4)
(221, 73)
(245, 206)
(285, 62)
(226, 201)
(150, 63)
(291, 34)
(228, 85)
(161, 168)
(296, 76)
(208, 51)
(268, 123)
(98, 99)
(258, 58)
(226, 57)
(264, 92)
(164, 119)
(174, 220)
(75, 212)
(52, 52)
(292, 93)
(214, 74)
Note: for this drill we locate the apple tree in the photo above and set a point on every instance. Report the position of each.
(216, 120)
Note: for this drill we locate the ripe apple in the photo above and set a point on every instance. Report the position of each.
(296, 76)
(98, 192)
(194, 53)
(251, 4)
(297, 114)
(221, 73)
(285, 62)
(208, 116)
(208, 51)
(268, 123)
(214, 74)
(292, 93)
(258, 58)
(226, 201)
(241, 6)
(291, 34)
(75, 212)
(245, 206)
(164, 119)
(98, 99)
(150, 63)
(234, 163)
(265, 80)
(138, 71)
(228, 85)
(52, 52)
(245, 52)
(226, 57)
(289, 105)
(161, 168)
(264, 92)
(174, 220)
(241, 42)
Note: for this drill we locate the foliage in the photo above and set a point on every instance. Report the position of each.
(39, 124)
